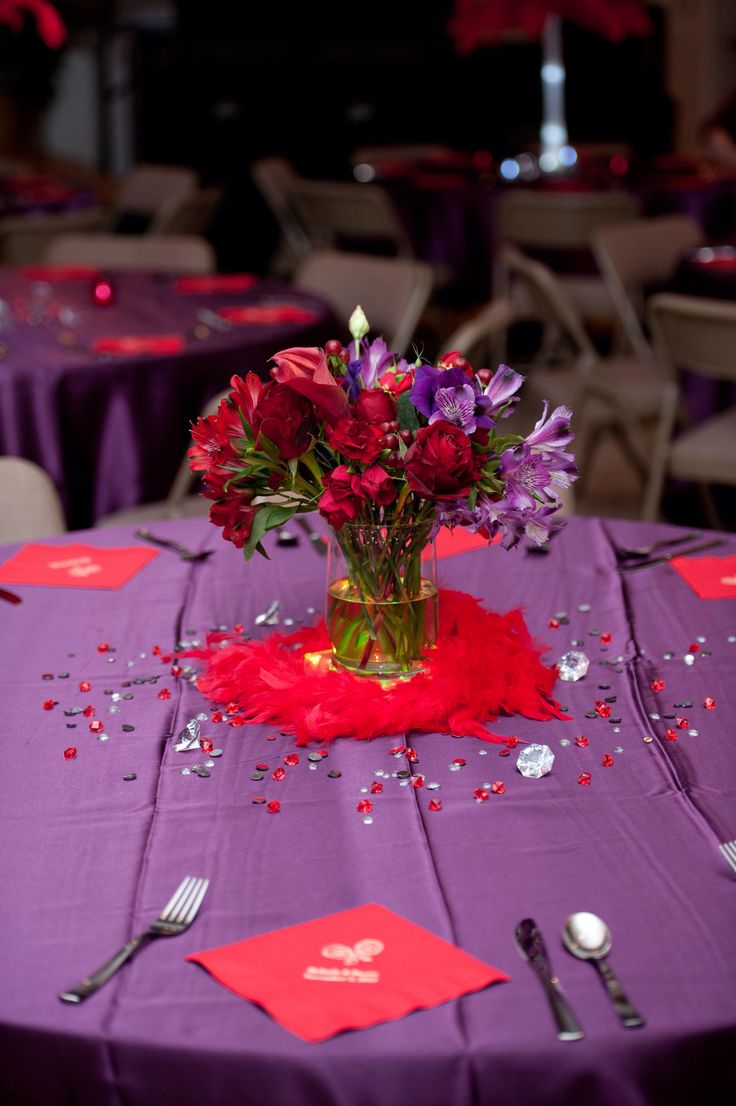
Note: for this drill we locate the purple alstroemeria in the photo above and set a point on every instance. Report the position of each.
(530, 476)
(550, 435)
(375, 358)
(499, 392)
(456, 404)
(428, 381)
(536, 524)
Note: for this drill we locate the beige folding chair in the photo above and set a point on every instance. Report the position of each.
(276, 179)
(193, 214)
(346, 214)
(24, 239)
(620, 396)
(148, 195)
(165, 253)
(29, 503)
(178, 503)
(565, 221)
(638, 253)
(698, 336)
(393, 291)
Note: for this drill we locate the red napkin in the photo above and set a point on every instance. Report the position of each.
(709, 577)
(52, 273)
(346, 971)
(75, 566)
(449, 543)
(268, 314)
(144, 343)
(217, 282)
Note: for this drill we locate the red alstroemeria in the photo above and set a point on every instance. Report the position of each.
(212, 437)
(396, 383)
(342, 498)
(235, 515)
(246, 392)
(305, 369)
(455, 360)
(360, 441)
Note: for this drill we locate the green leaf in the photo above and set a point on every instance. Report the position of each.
(472, 498)
(406, 413)
(269, 517)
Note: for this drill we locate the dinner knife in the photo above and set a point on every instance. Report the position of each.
(9, 596)
(667, 557)
(531, 948)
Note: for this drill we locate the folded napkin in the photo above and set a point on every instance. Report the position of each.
(216, 282)
(449, 543)
(267, 314)
(346, 971)
(709, 577)
(75, 566)
(143, 343)
(56, 273)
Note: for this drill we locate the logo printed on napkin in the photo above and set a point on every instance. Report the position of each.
(267, 314)
(392, 967)
(709, 577)
(75, 566)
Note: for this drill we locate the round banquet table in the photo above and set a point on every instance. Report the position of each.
(111, 430)
(88, 858)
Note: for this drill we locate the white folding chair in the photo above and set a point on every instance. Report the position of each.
(29, 503)
(276, 179)
(393, 291)
(193, 214)
(165, 253)
(348, 215)
(698, 336)
(148, 195)
(24, 239)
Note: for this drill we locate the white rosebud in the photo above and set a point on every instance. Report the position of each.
(358, 325)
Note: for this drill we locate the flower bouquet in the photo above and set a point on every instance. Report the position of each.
(388, 452)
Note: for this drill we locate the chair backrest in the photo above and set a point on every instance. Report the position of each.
(560, 220)
(276, 179)
(393, 291)
(165, 253)
(192, 214)
(24, 239)
(148, 193)
(695, 334)
(638, 253)
(475, 338)
(346, 213)
(29, 503)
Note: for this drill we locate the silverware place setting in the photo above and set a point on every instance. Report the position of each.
(587, 936)
(176, 547)
(665, 558)
(531, 947)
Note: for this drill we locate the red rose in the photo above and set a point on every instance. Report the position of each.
(286, 419)
(378, 485)
(375, 406)
(305, 370)
(440, 464)
(342, 498)
(355, 439)
(235, 515)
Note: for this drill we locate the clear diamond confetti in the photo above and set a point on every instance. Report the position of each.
(573, 665)
(535, 761)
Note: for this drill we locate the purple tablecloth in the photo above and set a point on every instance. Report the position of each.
(88, 858)
(111, 432)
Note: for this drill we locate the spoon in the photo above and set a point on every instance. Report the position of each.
(588, 937)
(622, 553)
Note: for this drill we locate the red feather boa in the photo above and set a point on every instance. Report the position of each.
(484, 664)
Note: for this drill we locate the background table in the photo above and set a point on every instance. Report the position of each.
(89, 858)
(111, 431)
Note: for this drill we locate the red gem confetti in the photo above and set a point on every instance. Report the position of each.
(103, 647)
(365, 806)
(657, 685)
(498, 787)
(217, 716)
(694, 647)
(376, 788)
(96, 726)
(88, 712)
(231, 708)
(602, 709)
(460, 760)
(435, 804)
(584, 779)
(273, 807)
(164, 693)
(206, 744)
(411, 754)
(176, 670)
(238, 628)
(682, 723)
(606, 760)
(417, 781)
(504, 753)
(70, 753)
(709, 703)
(582, 742)
(291, 759)
(671, 735)
(156, 650)
(85, 686)
(605, 639)
(49, 704)
(512, 742)
(553, 623)
(236, 722)
(397, 751)
(323, 753)
(279, 773)
(269, 736)
(480, 794)
(166, 658)
(261, 767)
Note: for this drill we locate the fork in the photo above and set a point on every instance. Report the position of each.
(178, 914)
(184, 553)
(622, 553)
(314, 536)
(634, 566)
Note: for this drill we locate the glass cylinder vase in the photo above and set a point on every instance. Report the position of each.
(381, 610)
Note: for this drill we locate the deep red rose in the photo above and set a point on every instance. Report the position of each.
(441, 464)
(396, 383)
(378, 485)
(305, 370)
(235, 515)
(355, 439)
(342, 498)
(375, 406)
(286, 419)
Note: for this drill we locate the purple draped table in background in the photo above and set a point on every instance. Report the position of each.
(111, 431)
(89, 857)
